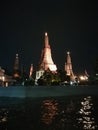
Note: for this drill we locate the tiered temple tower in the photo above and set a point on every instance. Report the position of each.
(68, 67)
(46, 58)
(16, 67)
(46, 62)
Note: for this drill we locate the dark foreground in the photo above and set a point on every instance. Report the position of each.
(63, 113)
(76, 110)
(49, 108)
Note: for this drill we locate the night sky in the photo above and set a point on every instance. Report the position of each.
(72, 25)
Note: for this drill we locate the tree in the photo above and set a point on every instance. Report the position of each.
(62, 75)
(29, 82)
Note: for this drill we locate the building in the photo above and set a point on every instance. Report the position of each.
(5, 80)
(46, 61)
(68, 67)
(16, 71)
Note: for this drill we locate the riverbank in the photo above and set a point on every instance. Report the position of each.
(46, 91)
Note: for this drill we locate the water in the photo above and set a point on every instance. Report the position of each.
(59, 113)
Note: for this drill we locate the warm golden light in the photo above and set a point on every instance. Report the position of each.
(68, 52)
(52, 67)
(45, 33)
(49, 111)
(83, 78)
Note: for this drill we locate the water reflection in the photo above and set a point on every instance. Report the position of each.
(3, 118)
(86, 119)
(49, 110)
(65, 113)
(59, 115)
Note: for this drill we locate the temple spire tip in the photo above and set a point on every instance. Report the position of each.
(68, 52)
(45, 33)
(17, 55)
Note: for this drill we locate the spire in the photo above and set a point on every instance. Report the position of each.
(68, 58)
(86, 73)
(16, 67)
(68, 65)
(46, 34)
(31, 70)
(46, 58)
(46, 40)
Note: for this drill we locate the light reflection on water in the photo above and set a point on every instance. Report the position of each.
(86, 114)
(58, 114)
(3, 118)
(69, 116)
(49, 110)
(66, 113)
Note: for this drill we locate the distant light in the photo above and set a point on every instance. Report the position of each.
(83, 78)
(71, 83)
(45, 33)
(3, 78)
(68, 52)
(16, 55)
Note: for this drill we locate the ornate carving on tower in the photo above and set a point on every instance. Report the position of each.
(16, 67)
(68, 66)
(46, 57)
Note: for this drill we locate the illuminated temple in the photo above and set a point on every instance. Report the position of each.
(68, 67)
(46, 58)
(46, 62)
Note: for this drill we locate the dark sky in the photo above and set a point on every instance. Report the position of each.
(72, 25)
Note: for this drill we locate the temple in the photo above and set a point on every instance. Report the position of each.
(5, 80)
(46, 58)
(16, 73)
(46, 62)
(68, 67)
